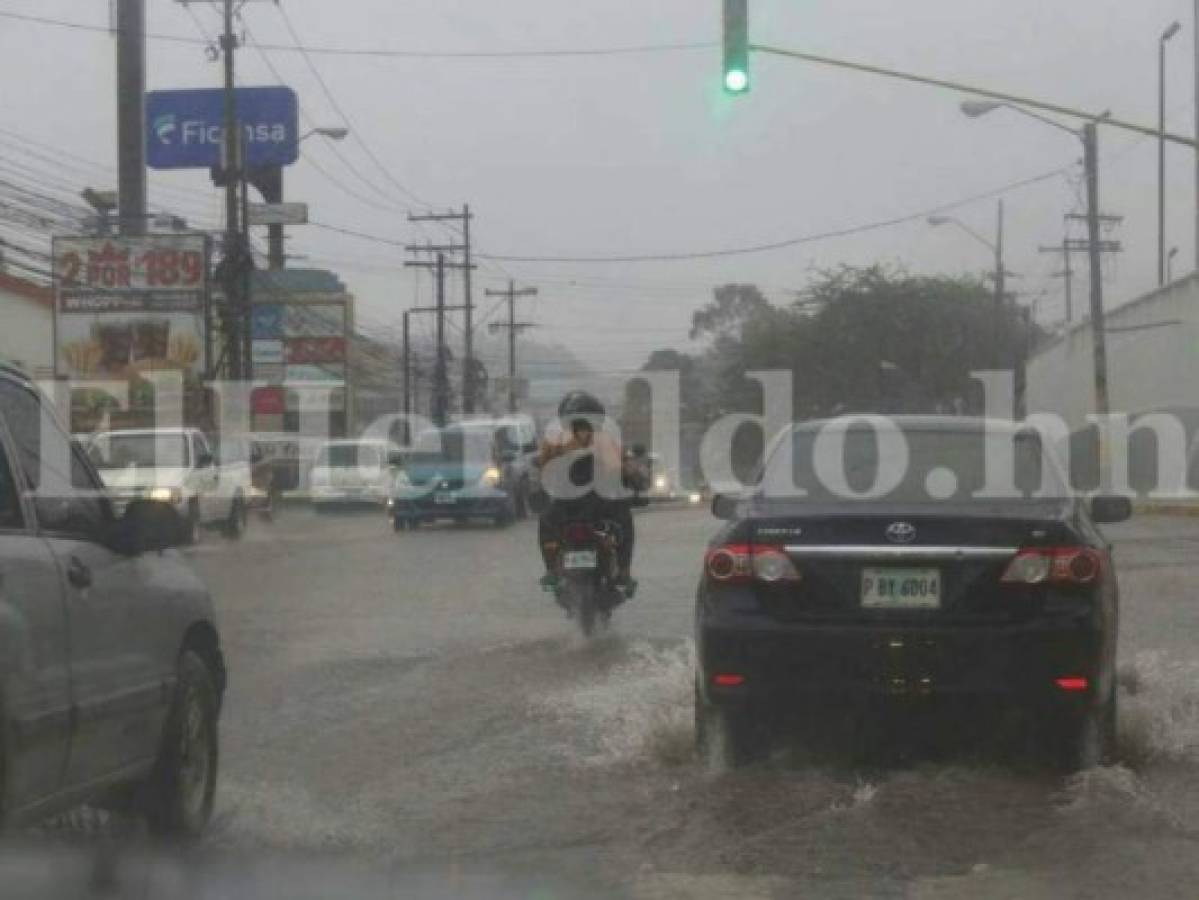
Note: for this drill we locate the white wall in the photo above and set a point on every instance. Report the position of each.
(26, 330)
(1150, 369)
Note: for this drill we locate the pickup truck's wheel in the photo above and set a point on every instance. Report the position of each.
(180, 792)
(236, 523)
(522, 503)
(191, 522)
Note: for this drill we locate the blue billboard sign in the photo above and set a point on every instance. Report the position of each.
(267, 322)
(186, 129)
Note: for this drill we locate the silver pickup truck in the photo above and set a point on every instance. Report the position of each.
(177, 466)
(111, 670)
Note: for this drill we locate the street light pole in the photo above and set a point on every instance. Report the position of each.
(999, 285)
(1161, 150)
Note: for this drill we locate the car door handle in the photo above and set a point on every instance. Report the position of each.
(78, 574)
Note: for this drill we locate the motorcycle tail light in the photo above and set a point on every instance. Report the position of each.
(578, 533)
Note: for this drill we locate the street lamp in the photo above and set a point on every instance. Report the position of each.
(1090, 145)
(996, 248)
(104, 203)
(1161, 150)
(332, 133)
(1000, 295)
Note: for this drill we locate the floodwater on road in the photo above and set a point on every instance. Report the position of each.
(412, 700)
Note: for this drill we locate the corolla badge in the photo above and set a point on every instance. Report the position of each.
(901, 532)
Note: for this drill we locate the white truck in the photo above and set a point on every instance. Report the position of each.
(179, 466)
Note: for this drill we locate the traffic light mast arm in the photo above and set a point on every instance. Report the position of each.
(1000, 96)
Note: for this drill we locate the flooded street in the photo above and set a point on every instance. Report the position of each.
(412, 700)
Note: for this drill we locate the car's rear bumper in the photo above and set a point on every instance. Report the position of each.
(461, 504)
(347, 495)
(790, 664)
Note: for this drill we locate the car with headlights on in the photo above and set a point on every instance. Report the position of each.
(464, 471)
(941, 590)
(178, 466)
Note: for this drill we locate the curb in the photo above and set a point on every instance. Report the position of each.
(1184, 510)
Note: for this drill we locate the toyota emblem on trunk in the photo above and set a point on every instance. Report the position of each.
(901, 532)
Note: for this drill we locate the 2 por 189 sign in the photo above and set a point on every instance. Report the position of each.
(128, 305)
(114, 265)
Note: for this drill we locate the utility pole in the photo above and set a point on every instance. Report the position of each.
(131, 115)
(468, 385)
(233, 164)
(1066, 273)
(513, 327)
(1090, 143)
(407, 371)
(440, 384)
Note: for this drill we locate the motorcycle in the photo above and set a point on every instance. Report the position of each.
(587, 573)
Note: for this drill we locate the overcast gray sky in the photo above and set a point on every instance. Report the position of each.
(641, 154)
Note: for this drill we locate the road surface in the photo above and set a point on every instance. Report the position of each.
(412, 703)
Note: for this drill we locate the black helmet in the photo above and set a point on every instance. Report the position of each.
(580, 404)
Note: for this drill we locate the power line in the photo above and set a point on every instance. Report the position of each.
(337, 107)
(732, 251)
(309, 123)
(383, 52)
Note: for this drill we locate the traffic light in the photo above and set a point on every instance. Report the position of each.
(736, 47)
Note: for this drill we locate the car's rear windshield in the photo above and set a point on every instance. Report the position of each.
(911, 465)
(456, 444)
(346, 456)
(119, 451)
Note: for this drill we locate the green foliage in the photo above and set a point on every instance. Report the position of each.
(857, 339)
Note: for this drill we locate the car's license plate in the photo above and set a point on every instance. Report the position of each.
(444, 499)
(579, 559)
(901, 588)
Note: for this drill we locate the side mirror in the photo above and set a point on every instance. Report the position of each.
(506, 456)
(203, 460)
(147, 526)
(724, 506)
(1109, 509)
(530, 447)
(256, 456)
(395, 460)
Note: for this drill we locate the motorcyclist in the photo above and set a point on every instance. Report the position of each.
(599, 460)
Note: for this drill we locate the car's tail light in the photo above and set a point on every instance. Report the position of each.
(1072, 683)
(728, 679)
(741, 563)
(1054, 565)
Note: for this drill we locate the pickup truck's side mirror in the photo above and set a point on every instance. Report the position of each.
(1107, 510)
(204, 460)
(724, 506)
(147, 526)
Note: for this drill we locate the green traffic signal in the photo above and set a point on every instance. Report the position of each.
(736, 46)
(736, 81)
